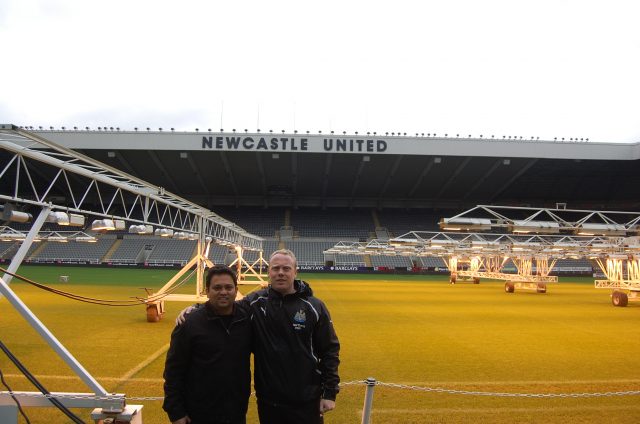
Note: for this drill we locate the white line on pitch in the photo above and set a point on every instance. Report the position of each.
(73, 377)
(133, 371)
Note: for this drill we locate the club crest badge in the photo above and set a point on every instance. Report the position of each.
(299, 319)
(300, 316)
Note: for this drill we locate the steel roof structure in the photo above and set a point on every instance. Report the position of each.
(329, 170)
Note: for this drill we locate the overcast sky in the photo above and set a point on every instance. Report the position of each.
(543, 68)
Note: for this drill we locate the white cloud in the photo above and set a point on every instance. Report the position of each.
(526, 68)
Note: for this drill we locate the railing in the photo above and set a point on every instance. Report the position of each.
(370, 385)
(65, 261)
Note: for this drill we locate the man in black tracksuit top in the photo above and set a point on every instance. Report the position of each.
(295, 348)
(207, 370)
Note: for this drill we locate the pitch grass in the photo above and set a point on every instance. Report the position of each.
(412, 330)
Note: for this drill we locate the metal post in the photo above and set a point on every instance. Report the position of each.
(51, 339)
(368, 400)
(26, 244)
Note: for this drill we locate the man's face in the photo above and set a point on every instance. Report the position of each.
(282, 272)
(222, 293)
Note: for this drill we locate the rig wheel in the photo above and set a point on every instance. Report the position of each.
(476, 280)
(619, 298)
(541, 288)
(509, 287)
(153, 313)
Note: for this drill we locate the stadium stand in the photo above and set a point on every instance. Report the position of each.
(223, 255)
(309, 252)
(432, 261)
(166, 251)
(350, 260)
(73, 251)
(259, 221)
(401, 221)
(312, 232)
(130, 250)
(391, 261)
(268, 246)
(332, 222)
(8, 249)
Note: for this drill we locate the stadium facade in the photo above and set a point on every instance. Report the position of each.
(308, 191)
(373, 171)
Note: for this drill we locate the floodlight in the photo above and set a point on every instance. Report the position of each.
(465, 224)
(634, 229)
(60, 218)
(631, 241)
(164, 232)
(599, 247)
(443, 243)
(403, 242)
(618, 256)
(103, 225)
(557, 246)
(76, 220)
(542, 227)
(526, 246)
(12, 236)
(479, 244)
(192, 236)
(374, 248)
(588, 229)
(141, 229)
(86, 239)
(12, 215)
(57, 239)
(66, 219)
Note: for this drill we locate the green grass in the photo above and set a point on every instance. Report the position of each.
(413, 330)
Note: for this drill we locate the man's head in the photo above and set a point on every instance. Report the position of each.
(282, 271)
(222, 287)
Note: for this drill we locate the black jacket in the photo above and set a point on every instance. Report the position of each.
(295, 346)
(207, 372)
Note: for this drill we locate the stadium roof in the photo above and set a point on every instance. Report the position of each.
(298, 170)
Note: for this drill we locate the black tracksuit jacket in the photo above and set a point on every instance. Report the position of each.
(295, 346)
(207, 372)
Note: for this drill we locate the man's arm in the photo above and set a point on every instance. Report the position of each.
(327, 350)
(175, 371)
(182, 316)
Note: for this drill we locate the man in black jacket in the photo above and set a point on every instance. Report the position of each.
(296, 350)
(207, 372)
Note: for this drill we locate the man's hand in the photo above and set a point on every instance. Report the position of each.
(326, 405)
(183, 420)
(182, 316)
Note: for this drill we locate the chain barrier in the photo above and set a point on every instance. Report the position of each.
(507, 394)
(376, 383)
(127, 398)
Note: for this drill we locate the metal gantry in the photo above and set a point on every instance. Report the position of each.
(38, 175)
(617, 256)
(475, 256)
(42, 182)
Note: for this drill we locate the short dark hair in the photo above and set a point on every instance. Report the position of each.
(221, 270)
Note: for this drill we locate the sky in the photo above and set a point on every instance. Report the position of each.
(543, 68)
